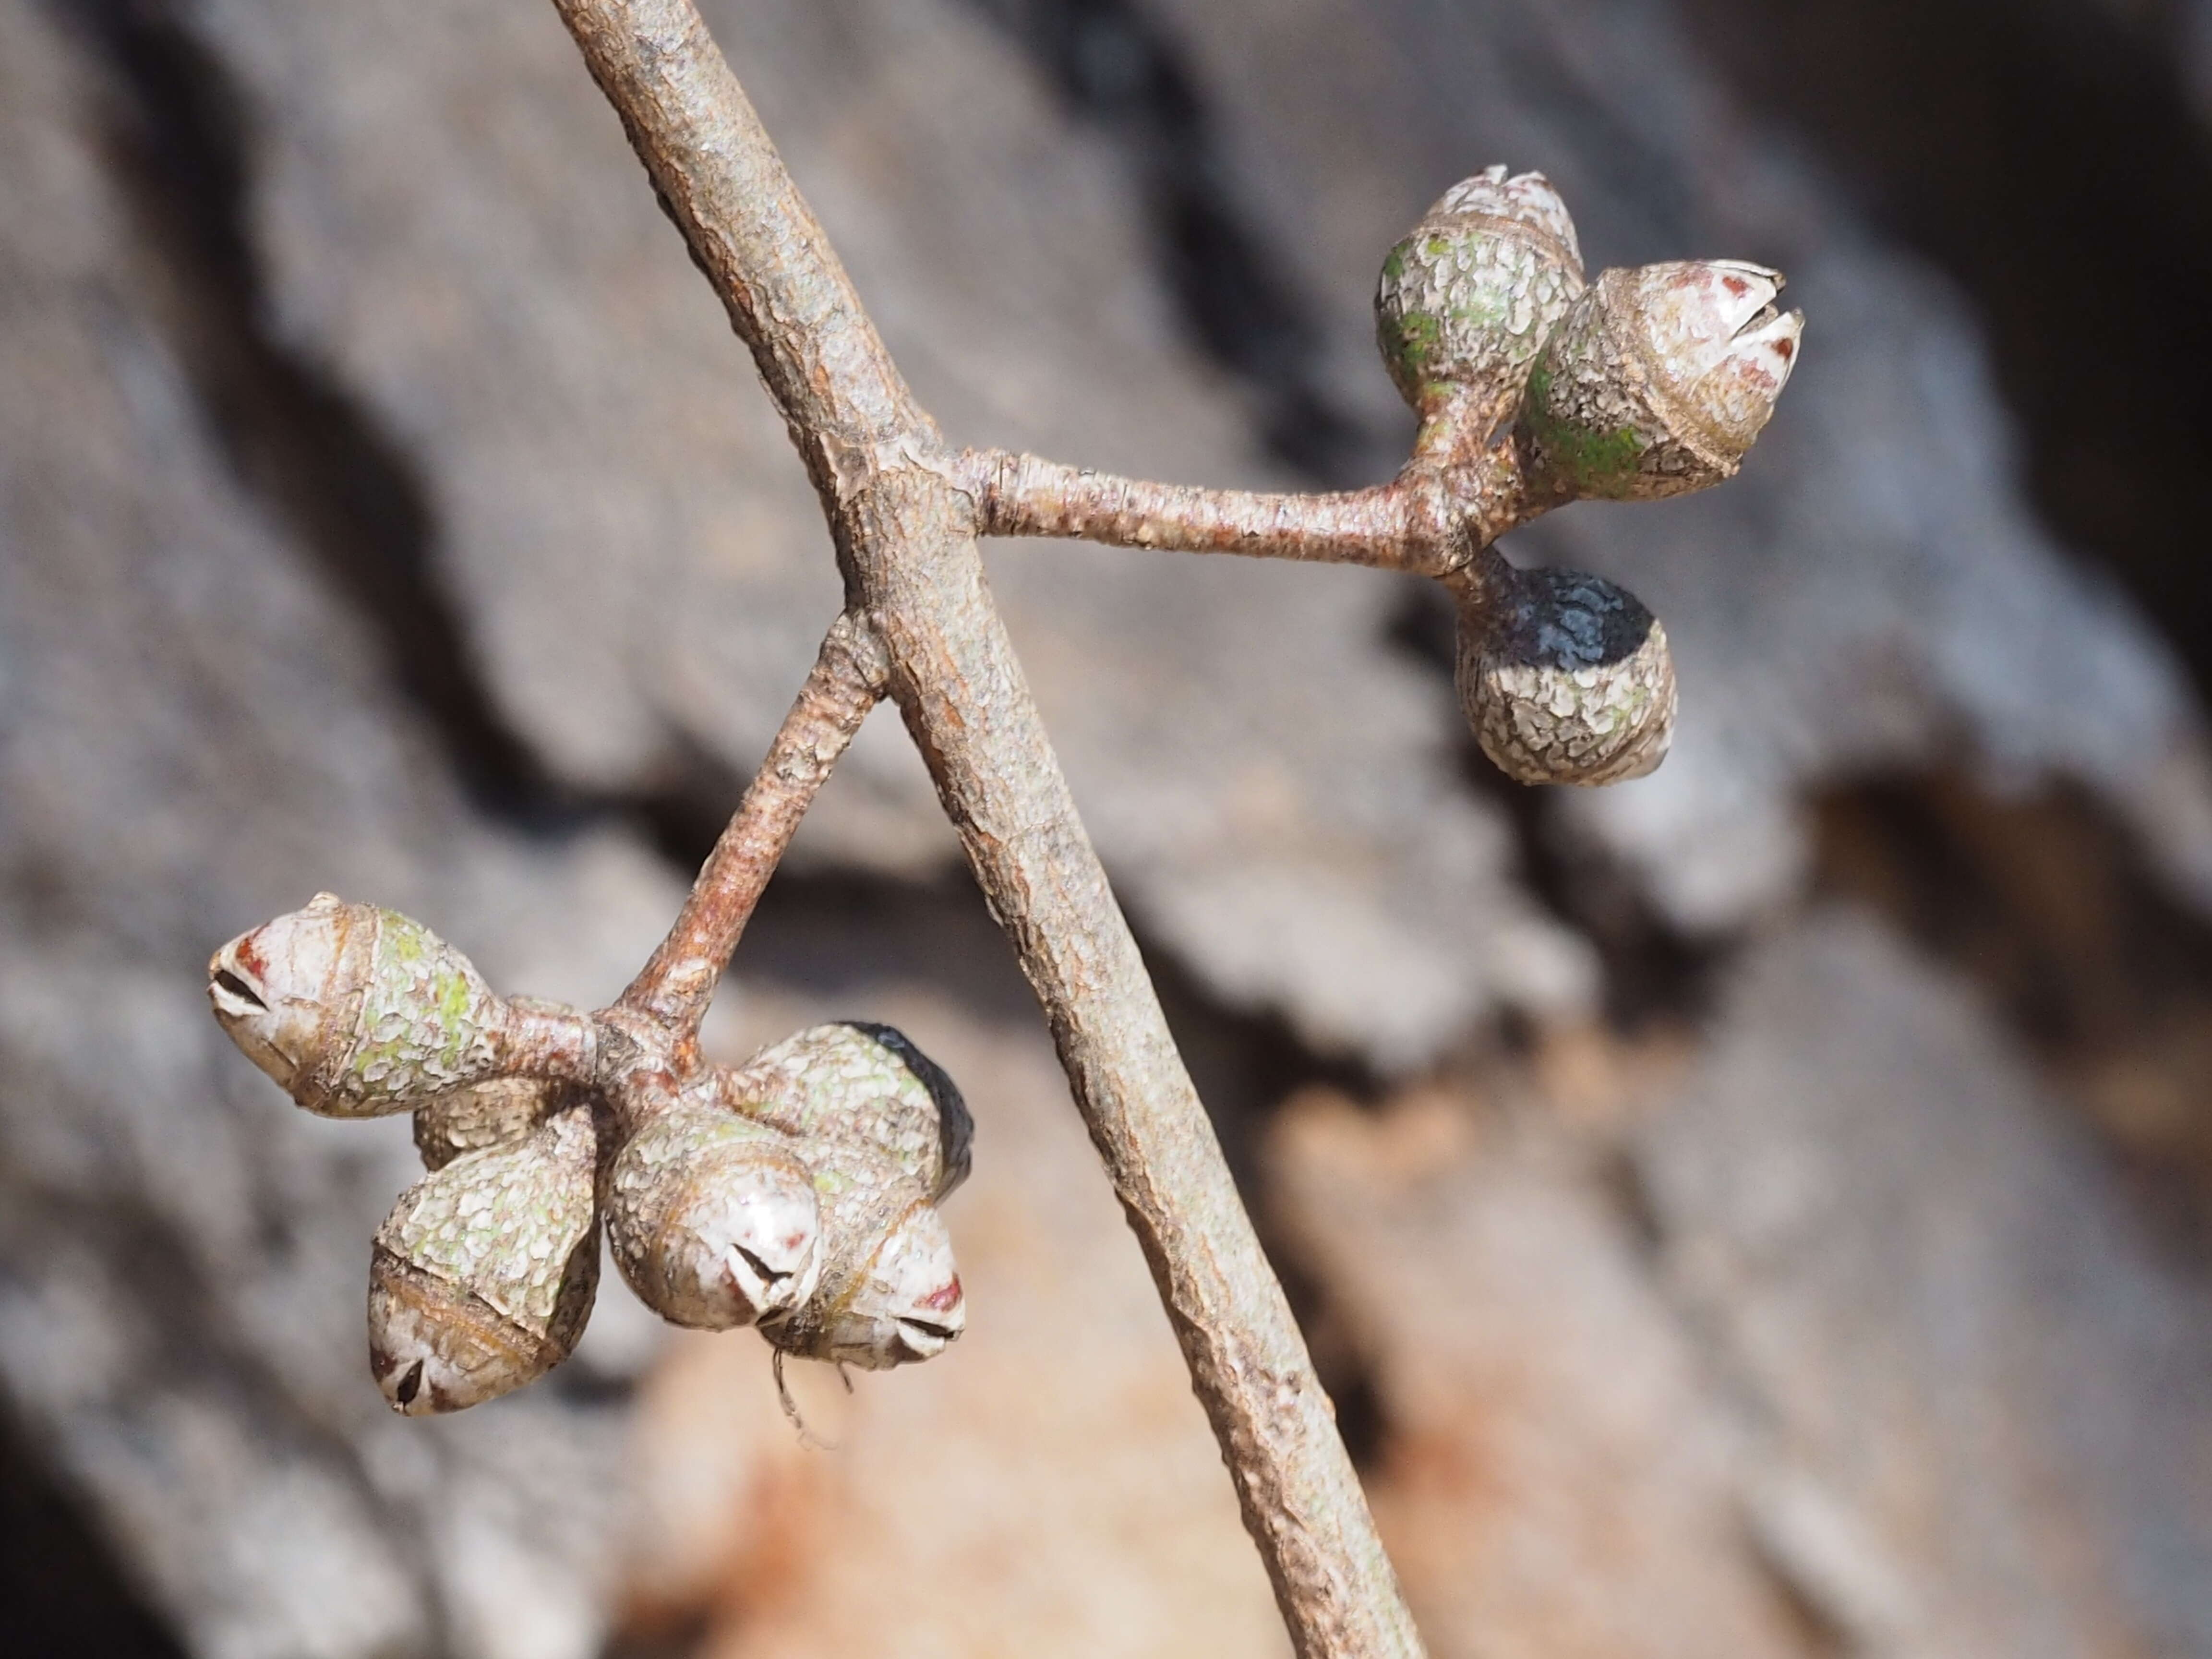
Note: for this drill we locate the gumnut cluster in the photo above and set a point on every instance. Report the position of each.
(1646, 383)
(797, 1192)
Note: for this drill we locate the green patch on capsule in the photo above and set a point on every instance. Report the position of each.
(401, 939)
(1409, 342)
(1481, 304)
(424, 1012)
(1394, 264)
(456, 998)
(1589, 461)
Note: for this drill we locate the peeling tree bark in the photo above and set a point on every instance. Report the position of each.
(905, 530)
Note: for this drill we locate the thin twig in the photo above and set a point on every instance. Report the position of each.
(1027, 495)
(1427, 520)
(847, 681)
(906, 537)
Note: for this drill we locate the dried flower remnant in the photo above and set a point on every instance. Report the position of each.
(866, 1084)
(889, 1292)
(1566, 677)
(713, 1218)
(483, 1275)
(1657, 381)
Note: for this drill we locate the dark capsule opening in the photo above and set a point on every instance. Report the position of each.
(230, 983)
(768, 1275)
(1568, 619)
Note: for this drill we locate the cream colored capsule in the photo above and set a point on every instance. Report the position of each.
(479, 1115)
(1565, 678)
(354, 1010)
(1468, 296)
(889, 1292)
(865, 1083)
(1657, 381)
(483, 1274)
(712, 1219)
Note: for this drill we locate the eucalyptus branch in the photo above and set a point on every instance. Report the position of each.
(1427, 520)
(675, 985)
(798, 1193)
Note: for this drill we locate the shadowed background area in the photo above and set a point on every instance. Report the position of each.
(1761, 1211)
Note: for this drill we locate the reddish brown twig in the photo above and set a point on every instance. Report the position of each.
(1429, 520)
(905, 531)
(674, 987)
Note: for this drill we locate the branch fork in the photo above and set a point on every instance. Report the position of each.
(798, 1191)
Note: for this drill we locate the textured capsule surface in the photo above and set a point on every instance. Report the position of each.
(865, 1083)
(889, 1292)
(1566, 678)
(1657, 381)
(479, 1115)
(354, 1010)
(483, 1275)
(712, 1218)
(1469, 296)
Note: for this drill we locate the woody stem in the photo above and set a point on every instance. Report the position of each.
(847, 681)
(1424, 521)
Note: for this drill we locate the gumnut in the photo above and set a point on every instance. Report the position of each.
(480, 1115)
(1566, 677)
(713, 1217)
(354, 1010)
(889, 1292)
(483, 1275)
(1657, 381)
(865, 1084)
(1468, 297)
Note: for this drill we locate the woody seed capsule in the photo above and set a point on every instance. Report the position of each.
(1565, 678)
(713, 1218)
(1657, 381)
(1467, 298)
(483, 1274)
(479, 1115)
(354, 1010)
(863, 1084)
(889, 1293)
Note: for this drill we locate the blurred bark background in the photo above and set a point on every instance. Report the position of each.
(1765, 1210)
